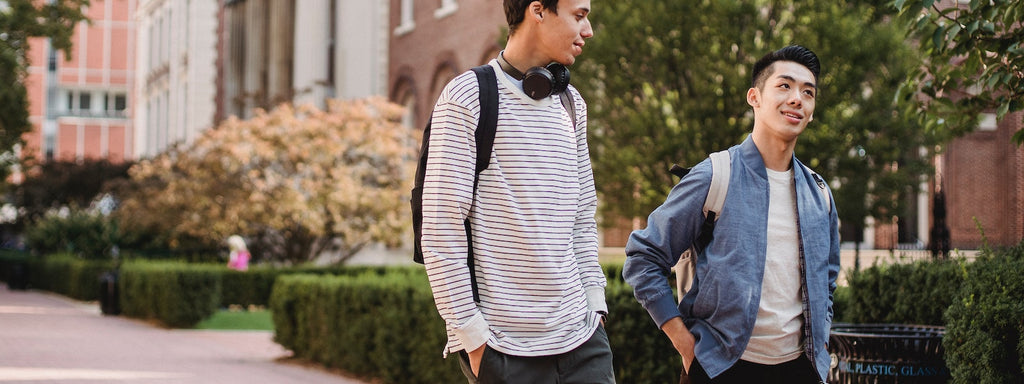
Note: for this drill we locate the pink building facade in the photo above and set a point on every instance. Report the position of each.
(80, 107)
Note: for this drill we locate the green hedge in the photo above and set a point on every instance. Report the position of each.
(384, 325)
(176, 294)
(640, 351)
(914, 293)
(376, 326)
(985, 324)
(60, 273)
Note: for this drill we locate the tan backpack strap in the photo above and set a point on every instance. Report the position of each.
(721, 170)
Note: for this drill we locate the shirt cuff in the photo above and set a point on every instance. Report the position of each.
(474, 333)
(663, 309)
(596, 301)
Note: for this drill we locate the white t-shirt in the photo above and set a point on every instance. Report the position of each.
(777, 332)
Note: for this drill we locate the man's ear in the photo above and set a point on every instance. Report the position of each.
(753, 97)
(537, 10)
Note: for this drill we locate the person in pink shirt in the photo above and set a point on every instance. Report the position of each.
(239, 257)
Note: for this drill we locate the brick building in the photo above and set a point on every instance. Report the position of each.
(433, 41)
(982, 176)
(80, 108)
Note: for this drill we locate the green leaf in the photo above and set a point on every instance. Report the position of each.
(1002, 110)
(939, 39)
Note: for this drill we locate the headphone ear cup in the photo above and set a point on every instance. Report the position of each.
(538, 82)
(560, 77)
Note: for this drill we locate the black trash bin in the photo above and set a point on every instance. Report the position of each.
(109, 299)
(17, 279)
(887, 353)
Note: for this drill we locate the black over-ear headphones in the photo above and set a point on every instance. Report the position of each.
(539, 82)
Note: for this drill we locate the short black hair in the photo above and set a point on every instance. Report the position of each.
(794, 53)
(515, 11)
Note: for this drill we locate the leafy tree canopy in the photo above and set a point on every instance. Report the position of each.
(295, 181)
(58, 184)
(19, 21)
(974, 61)
(666, 83)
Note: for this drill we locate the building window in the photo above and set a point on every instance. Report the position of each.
(84, 102)
(120, 103)
(988, 122)
(448, 7)
(406, 23)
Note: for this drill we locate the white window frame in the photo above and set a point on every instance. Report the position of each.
(406, 22)
(448, 7)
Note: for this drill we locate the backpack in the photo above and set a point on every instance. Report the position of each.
(485, 131)
(721, 170)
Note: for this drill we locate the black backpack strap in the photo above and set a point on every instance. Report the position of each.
(569, 103)
(486, 128)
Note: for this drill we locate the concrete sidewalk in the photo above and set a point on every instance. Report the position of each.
(47, 338)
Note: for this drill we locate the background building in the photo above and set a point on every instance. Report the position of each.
(304, 51)
(982, 177)
(80, 108)
(432, 42)
(176, 76)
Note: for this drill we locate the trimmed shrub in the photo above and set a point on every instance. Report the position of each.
(914, 293)
(177, 295)
(82, 233)
(640, 351)
(984, 338)
(378, 326)
(245, 288)
(67, 275)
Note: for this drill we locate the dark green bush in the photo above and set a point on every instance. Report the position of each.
(984, 338)
(67, 275)
(85, 234)
(377, 326)
(914, 293)
(247, 288)
(178, 295)
(385, 326)
(641, 352)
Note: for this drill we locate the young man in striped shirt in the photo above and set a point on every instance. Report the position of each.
(534, 235)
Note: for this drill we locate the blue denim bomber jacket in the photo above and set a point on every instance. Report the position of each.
(721, 308)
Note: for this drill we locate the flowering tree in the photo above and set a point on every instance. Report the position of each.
(296, 181)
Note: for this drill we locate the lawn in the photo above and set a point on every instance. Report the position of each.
(233, 319)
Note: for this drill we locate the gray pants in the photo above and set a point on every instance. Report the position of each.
(590, 363)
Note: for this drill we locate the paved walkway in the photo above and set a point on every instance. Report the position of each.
(46, 338)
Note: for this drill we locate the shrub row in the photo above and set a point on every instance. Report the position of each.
(980, 303)
(60, 273)
(985, 324)
(385, 326)
(377, 326)
(915, 293)
(176, 294)
(380, 322)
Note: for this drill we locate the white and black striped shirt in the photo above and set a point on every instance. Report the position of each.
(534, 232)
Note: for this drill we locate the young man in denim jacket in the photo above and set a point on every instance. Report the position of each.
(760, 308)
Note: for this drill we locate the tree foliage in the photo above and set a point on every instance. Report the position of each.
(296, 181)
(666, 83)
(19, 21)
(974, 61)
(57, 184)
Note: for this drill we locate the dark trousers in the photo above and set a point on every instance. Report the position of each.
(795, 371)
(590, 363)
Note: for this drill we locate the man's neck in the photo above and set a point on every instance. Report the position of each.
(520, 53)
(776, 153)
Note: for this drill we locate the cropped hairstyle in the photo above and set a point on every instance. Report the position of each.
(794, 53)
(515, 11)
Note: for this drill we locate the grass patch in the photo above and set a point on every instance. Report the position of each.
(231, 319)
